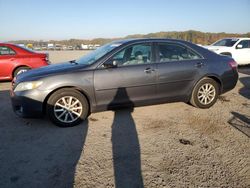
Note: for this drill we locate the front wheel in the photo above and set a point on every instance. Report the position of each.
(67, 107)
(205, 93)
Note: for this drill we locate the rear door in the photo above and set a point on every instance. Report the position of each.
(7, 58)
(178, 67)
(132, 80)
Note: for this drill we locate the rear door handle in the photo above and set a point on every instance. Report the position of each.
(148, 70)
(200, 64)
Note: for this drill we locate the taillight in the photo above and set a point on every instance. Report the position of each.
(47, 57)
(233, 64)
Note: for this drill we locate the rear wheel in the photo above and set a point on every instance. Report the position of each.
(67, 107)
(20, 70)
(205, 93)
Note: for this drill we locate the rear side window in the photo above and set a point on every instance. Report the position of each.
(4, 50)
(169, 52)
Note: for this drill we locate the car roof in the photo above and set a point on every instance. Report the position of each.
(146, 39)
(7, 44)
(238, 38)
(10, 45)
(135, 40)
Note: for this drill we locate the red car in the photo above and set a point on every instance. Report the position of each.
(15, 60)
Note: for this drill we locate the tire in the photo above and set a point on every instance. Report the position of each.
(205, 93)
(61, 113)
(20, 70)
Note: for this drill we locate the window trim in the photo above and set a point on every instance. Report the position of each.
(126, 46)
(8, 48)
(157, 52)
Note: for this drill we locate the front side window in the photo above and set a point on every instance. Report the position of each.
(245, 43)
(4, 50)
(134, 55)
(174, 52)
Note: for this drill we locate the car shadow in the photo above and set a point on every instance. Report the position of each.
(241, 122)
(34, 152)
(245, 90)
(125, 145)
(245, 69)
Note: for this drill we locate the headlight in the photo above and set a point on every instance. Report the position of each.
(28, 85)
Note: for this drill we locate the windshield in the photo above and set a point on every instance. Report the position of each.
(225, 42)
(96, 54)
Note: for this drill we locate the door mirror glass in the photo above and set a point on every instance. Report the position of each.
(239, 46)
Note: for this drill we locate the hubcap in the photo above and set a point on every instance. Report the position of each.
(206, 94)
(68, 109)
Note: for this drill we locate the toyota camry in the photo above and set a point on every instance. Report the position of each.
(131, 72)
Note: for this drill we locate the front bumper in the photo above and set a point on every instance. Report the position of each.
(28, 103)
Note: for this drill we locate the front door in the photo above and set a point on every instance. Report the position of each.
(132, 80)
(242, 54)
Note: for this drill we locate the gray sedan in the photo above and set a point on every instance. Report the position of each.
(131, 72)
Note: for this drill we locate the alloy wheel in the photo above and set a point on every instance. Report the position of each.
(206, 94)
(68, 109)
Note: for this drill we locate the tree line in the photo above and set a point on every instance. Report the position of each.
(197, 37)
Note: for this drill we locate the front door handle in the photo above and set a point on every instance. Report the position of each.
(148, 70)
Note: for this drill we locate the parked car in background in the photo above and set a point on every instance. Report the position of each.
(15, 60)
(84, 46)
(44, 47)
(124, 73)
(58, 47)
(70, 48)
(37, 48)
(237, 48)
(50, 46)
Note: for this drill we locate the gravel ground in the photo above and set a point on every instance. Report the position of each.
(168, 145)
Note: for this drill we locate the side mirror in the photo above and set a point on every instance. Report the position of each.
(110, 64)
(239, 46)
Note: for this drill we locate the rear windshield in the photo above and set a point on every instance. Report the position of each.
(26, 49)
(225, 42)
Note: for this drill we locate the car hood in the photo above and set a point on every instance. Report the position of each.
(47, 71)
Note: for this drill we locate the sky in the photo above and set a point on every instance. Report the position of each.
(88, 19)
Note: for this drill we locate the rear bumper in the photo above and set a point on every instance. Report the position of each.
(229, 81)
(28, 104)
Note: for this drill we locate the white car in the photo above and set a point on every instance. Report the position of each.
(237, 48)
